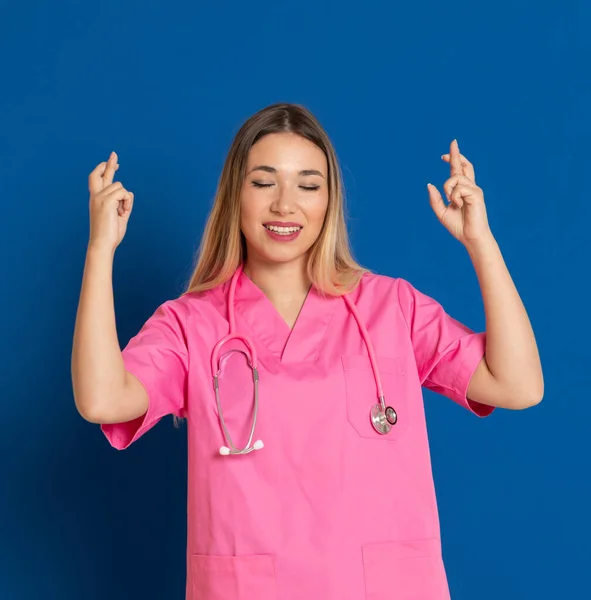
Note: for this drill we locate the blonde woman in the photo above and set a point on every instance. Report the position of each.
(299, 373)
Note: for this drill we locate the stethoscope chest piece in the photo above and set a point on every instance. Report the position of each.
(383, 419)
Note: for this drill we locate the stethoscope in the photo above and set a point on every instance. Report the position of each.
(382, 417)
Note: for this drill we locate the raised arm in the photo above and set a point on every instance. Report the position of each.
(104, 392)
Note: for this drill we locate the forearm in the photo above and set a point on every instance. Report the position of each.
(98, 371)
(511, 350)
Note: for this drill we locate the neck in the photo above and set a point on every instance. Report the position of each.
(280, 282)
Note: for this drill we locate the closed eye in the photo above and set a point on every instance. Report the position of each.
(303, 187)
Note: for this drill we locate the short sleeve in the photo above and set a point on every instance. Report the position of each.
(157, 356)
(446, 351)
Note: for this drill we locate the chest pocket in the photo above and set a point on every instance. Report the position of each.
(361, 392)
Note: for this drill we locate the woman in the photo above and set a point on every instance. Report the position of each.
(309, 468)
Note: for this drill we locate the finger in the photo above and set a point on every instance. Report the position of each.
(460, 193)
(456, 196)
(114, 187)
(115, 193)
(110, 170)
(455, 160)
(467, 167)
(436, 200)
(451, 190)
(465, 182)
(449, 185)
(121, 204)
(127, 203)
(113, 196)
(95, 179)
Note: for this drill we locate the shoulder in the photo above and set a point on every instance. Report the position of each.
(379, 292)
(374, 286)
(190, 305)
(177, 312)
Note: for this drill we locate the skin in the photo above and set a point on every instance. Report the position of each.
(279, 268)
(510, 375)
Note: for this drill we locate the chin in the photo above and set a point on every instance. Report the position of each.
(269, 251)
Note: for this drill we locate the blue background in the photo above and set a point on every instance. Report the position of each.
(167, 85)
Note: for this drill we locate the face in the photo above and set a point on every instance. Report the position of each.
(284, 197)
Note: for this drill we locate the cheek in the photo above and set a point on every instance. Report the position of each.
(248, 212)
(317, 213)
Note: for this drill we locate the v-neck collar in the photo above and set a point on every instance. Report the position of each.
(300, 343)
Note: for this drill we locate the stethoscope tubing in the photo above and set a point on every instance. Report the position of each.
(381, 416)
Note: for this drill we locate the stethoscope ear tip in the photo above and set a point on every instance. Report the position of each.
(258, 445)
(224, 450)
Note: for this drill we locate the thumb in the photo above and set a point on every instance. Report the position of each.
(436, 201)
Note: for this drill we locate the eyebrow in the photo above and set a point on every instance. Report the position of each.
(269, 169)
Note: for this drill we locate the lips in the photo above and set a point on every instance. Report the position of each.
(282, 224)
(283, 236)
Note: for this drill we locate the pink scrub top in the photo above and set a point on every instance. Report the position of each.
(329, 509)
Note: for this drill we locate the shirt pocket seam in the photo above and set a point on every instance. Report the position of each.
(393, 376)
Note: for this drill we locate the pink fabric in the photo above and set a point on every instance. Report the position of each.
(328, 509)
(158, 357)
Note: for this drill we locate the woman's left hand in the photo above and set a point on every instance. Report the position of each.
(465, 215)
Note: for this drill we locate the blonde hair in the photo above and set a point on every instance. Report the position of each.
(330, 267)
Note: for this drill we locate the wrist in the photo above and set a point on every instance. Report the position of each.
(100, 249)
(482, 245)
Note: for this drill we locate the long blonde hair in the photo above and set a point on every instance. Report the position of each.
(330, 267)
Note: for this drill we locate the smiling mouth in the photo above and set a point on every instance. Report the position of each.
(283, 230)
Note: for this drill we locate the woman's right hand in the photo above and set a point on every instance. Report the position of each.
(110, 206)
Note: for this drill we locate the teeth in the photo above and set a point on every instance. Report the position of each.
(283, 230)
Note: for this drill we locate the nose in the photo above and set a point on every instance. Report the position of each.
(285, 201)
